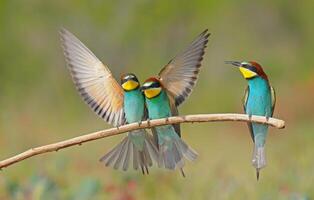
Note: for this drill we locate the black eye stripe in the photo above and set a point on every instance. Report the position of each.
(250, 67)
(155, 85)
(129, 77)
(133, 79)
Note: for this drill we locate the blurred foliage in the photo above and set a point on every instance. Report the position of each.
(39, 104)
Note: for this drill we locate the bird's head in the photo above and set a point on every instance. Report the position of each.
(152, 87)
(250, 69)
(129, 82)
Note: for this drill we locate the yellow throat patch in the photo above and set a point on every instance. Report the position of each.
(152, 92)
(247, 73)
(130, 85)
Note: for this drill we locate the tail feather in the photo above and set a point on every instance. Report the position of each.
(121, 155)
(127, 157)
(179, 160)
(119, 161)
(177, 154)
(141, 161)
(148, 159)
(182, 173)
(110, 157)
(171, 156)
(168, 155)
(259, 159)
(135, 158)
(187, 151)
(151, 149)
(179, 157)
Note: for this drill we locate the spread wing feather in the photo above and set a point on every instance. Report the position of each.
(93, 80)
(181, 73)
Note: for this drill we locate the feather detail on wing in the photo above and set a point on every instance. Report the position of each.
(244, 101)
(245, 98)
(273, 99)
(93, 80)
(181, 73)
(174, 112)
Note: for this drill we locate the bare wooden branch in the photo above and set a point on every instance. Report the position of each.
(145, 124)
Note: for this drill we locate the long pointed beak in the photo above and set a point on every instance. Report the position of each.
(234, 63)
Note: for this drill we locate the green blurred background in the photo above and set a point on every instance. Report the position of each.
(39, 104)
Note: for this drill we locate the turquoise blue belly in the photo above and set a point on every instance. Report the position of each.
(133, 106)
(259, 103)
(158, 107)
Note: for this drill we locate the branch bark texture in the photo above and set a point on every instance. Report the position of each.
(145, 124)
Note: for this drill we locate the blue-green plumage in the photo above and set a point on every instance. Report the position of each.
(137, 145)
(259, 103)
(134, 105)
(134, 102)
(259, 100)
(119, 105)
(171, 147)
(159, 107)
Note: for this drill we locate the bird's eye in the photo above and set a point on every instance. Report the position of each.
(248, 66)
(155, 85)
(252, 68)
(134, 79)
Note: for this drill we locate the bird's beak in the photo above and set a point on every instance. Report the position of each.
(143, 88)
(234, 63)
(247, 73)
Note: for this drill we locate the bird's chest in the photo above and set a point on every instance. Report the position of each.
(259, 99)
(158, 107)
(133, 106)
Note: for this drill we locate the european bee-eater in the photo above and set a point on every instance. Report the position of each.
(115, 104)
(259, 99)
(167, 91)
(171, 147)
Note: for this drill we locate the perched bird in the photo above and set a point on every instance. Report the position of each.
(259, 99)
(171, 147)
(167, 91)
(115, 104)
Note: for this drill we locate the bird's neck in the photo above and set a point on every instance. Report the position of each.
(132, 91)
(258, 83)
(162, 96)
(131, 94)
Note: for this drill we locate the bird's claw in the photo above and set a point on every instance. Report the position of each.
(148, 122)
(250, 117)
(167, 119)
(267, 118)
(139, 123)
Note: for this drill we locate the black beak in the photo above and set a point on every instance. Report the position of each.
(234, 63)
(143, 88)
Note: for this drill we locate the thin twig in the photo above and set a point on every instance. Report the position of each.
(129, 127)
